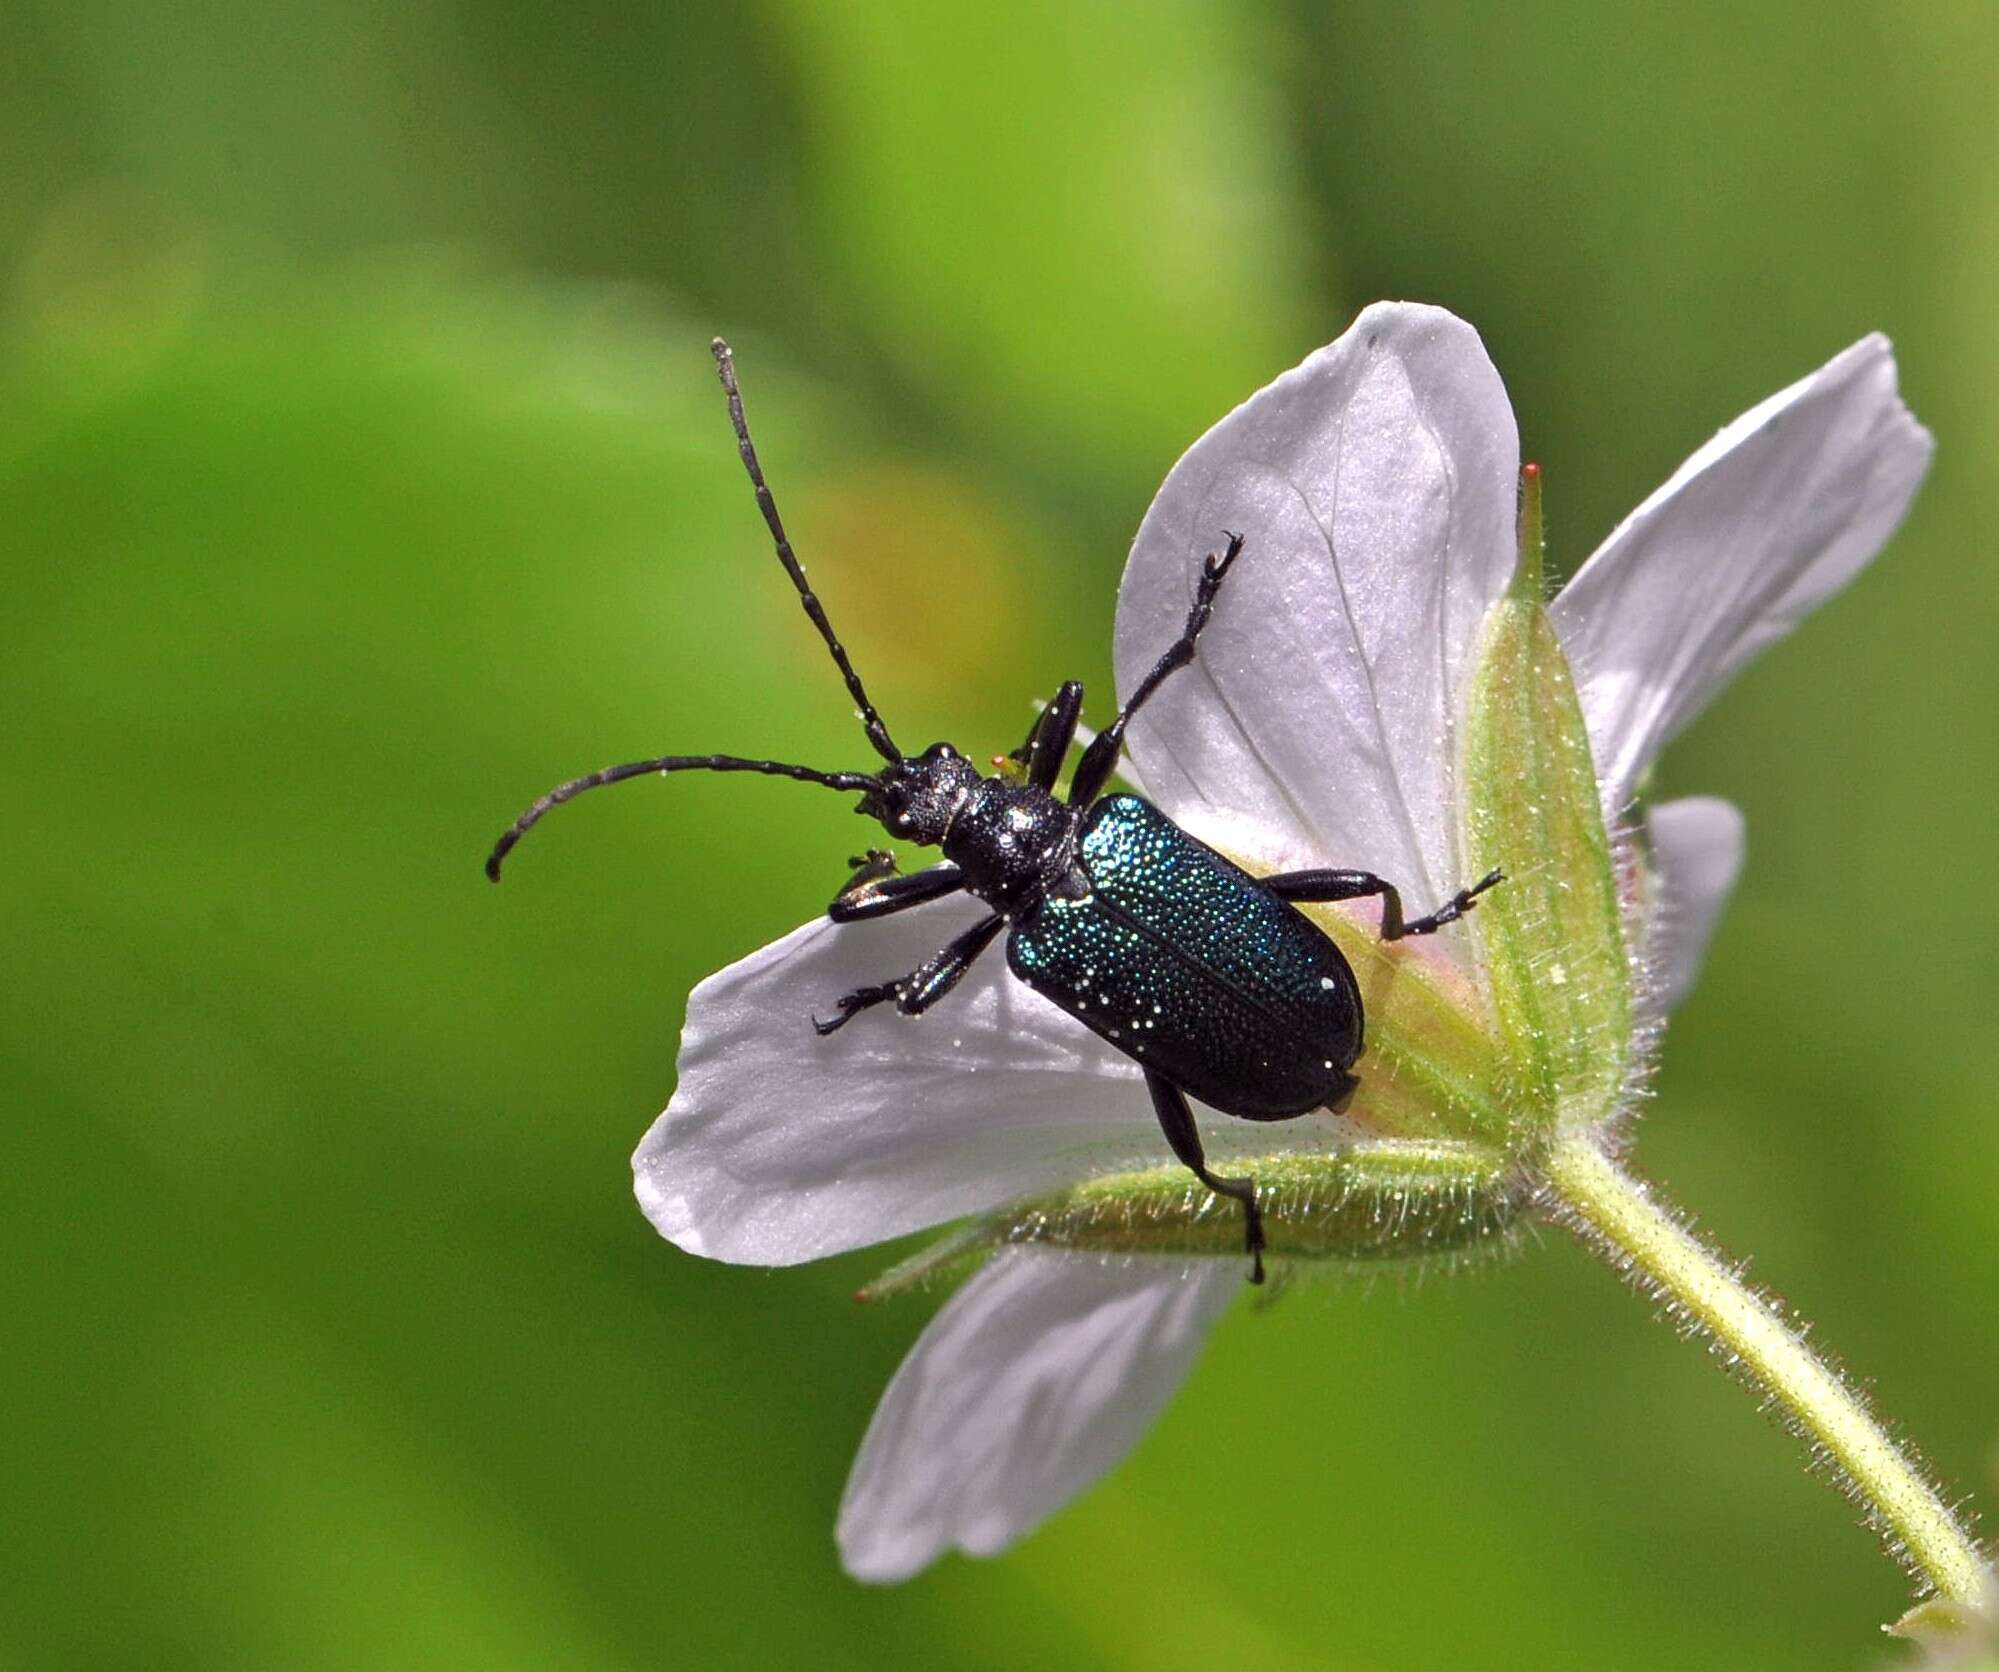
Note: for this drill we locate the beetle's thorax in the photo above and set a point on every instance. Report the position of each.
(1016, 845)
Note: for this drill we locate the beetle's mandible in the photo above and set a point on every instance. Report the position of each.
(1210, 979)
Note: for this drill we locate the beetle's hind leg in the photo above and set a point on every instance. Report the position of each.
(1342, 1099)
(917, 991)
(1319, 886)
(1176, 1120)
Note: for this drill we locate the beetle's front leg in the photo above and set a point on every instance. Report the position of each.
(875, 890)
(1176, 1120)
(917, 991)
(1317, 887)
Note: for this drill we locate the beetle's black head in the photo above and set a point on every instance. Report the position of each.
(918, 797)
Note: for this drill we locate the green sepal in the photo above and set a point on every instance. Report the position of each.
(1553, 935)
(1952, 1633)
(1432, 1070)
(1366, 1203)
(946, 1260)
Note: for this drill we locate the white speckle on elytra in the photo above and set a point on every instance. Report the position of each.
(1326, 981)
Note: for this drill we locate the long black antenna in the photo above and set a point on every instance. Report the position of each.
(725, 363)
(666, 763)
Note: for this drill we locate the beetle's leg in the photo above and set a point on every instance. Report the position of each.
(1176, 1120)
(879, 894)
(1356, 885)
(1040, 758)
(917, 991)
(1100, 759)
(864, 868)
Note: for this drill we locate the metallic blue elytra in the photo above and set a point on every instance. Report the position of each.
(1178, 958)
(1207, 977)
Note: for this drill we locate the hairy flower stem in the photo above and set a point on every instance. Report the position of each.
(1620, 1218)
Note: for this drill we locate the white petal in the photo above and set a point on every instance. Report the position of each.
(1756, 530)
(1374, 486)
(781, 1146)
(1697, 846)
(1037, 1378)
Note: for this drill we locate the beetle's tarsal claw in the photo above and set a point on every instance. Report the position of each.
(852, 1004)
(838, 1022)
(1468, 897)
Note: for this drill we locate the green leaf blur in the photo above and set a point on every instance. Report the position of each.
(362, 474)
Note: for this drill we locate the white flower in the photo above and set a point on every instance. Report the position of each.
(1320, 726)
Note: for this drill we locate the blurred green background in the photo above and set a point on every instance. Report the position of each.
(362, 473)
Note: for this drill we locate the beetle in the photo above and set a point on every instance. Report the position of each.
(1210, 979)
